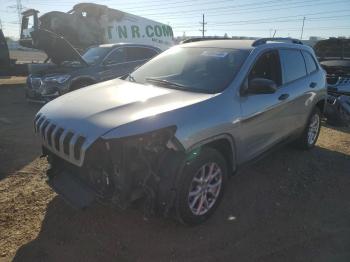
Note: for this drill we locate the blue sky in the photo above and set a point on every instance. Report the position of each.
(324, 18)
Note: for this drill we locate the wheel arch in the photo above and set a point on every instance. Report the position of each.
(224, 144)
(321, 104)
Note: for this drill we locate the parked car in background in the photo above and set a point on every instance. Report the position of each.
(175, 129)
(334, 56)
(71, 71)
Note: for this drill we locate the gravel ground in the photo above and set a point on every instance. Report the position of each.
(289, 206)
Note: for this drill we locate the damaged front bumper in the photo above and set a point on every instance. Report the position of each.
(73, 190)
(120, 171)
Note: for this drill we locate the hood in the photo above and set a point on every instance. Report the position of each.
(95, 110)
(56, 47)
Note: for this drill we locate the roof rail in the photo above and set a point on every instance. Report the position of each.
(197, 39)
(262, 41)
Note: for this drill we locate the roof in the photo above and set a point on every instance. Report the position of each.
(224, 43)
(246, 44)
(130, 44)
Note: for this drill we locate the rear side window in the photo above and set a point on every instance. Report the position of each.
(140, 53)
(310, 62)
(293, 65)
(116, 57)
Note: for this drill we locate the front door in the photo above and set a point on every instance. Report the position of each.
(262, 114)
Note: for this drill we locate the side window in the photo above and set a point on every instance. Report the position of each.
(293, 65)
(267, 66)
(310, 62)
(139, 53)
(117, 56)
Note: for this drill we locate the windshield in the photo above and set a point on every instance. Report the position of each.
(95, 54)
(208, 70)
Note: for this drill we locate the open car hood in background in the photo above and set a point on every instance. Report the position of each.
(56, 47)
(4, 53)
(333, 48)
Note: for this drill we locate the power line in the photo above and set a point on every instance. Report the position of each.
(239, 8)
(252, 22)
(244, 11)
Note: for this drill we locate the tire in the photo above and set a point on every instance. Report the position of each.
(209, 192)
(314, 122)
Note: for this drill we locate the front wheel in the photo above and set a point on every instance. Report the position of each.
(312, 130)
(200, 187)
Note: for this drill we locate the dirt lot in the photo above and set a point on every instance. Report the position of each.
(290, 206)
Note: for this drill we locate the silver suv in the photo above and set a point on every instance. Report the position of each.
(174, 130)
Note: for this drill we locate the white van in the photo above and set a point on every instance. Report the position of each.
(92, 24)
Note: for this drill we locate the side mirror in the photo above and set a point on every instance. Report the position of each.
(261, 86)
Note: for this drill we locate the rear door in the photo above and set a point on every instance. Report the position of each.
(136, 56)
(262, 114)
(296, 84)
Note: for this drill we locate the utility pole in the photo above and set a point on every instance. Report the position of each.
(203, 26)
(302, 28)
(19, 9)
(274, 33)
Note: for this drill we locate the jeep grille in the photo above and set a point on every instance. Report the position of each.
(63, 142)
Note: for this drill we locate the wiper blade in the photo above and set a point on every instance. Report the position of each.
(166, 83)
(131, 78)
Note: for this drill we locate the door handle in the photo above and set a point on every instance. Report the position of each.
(313, 84)
(283, 97)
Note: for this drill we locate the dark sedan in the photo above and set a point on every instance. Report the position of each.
(97, 64)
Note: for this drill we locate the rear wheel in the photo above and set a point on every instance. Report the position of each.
(201, 187)
(311, 132)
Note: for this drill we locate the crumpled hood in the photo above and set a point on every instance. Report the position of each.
(95, 110)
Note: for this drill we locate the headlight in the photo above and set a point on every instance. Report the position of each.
(58, 78)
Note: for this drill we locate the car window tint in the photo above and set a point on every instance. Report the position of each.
(293, 65)
(117, 56)
(310, 62)
(140, 53)
(267, 66)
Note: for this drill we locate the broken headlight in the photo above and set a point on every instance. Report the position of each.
(60, 79)
(154, 141)
(157, 140)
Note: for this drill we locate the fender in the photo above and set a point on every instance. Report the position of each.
(212, 139)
